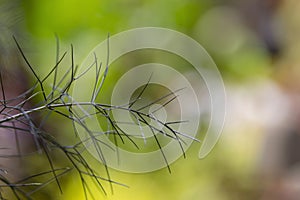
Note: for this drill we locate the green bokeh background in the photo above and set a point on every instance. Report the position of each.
(231, 171)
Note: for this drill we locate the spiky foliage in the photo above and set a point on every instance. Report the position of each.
(59, 102)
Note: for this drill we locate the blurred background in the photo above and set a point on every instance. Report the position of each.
(255, 44)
